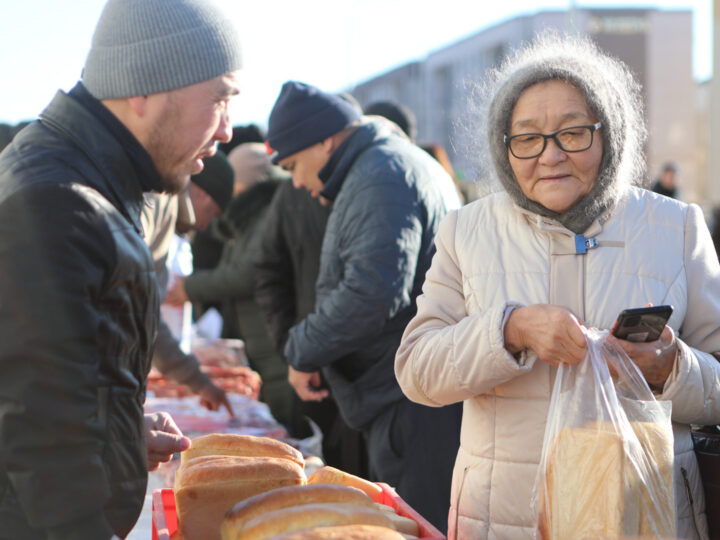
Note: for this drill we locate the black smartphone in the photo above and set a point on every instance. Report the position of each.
(641, 324)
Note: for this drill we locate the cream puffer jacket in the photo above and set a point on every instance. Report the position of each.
(492, 255)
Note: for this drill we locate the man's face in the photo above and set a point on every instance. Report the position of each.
(185, 125)
(305, 165)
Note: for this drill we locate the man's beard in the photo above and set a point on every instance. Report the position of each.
(171, 181)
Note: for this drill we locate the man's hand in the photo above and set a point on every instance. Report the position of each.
(307, 385)
(212, 396)
(163, 439)
(177, 296)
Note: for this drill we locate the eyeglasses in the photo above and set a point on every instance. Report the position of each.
(571, 139)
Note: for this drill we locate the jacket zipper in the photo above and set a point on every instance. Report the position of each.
(688, 493)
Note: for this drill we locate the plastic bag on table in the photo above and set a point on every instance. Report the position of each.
(606, 468)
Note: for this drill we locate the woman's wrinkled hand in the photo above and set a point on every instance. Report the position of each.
(654, 359)
(553, 332)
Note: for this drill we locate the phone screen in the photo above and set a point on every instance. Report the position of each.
(642, 324)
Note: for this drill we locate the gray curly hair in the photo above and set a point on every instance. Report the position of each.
(611, 94)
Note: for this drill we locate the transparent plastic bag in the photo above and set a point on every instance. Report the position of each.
(606, 468)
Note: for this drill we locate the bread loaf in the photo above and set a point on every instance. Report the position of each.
(403, 524)
(226, 444)
(594, 490)
(307, 516)
(287, 497)
(657, 517)
(585, 486)
(342, 532)
(331, 475)
(207, 487)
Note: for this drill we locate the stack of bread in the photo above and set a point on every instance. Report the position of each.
(219, 470)
(255, 488)
(593, 489)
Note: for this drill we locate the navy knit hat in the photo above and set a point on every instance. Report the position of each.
(216, 179)
(143, 47)
(304, 115)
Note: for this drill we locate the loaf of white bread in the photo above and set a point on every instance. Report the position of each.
(227, 444)
(308, 516)
(207, 486)
(594, 491)
(331, 475)
(289, 497)
(342, 532)
(305, 508)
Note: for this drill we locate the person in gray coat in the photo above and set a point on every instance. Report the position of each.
(388, 197)
(208, 195)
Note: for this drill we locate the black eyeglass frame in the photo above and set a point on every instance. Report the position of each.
(593, 128)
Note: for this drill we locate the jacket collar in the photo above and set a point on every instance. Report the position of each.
(335, 171)
(120, 176)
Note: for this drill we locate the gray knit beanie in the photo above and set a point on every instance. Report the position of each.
(611, 94)
(143, 47)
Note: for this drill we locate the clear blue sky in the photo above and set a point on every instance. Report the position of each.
(332, 44)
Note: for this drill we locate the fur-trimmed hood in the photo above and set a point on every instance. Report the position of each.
(611, 94)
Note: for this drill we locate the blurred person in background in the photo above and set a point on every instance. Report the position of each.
(250, 163)
(667, 183)
(397, 113)
(211, 190)
(206, 248)
(242, 134)
(569, 241)
(387, 197)
(231, 285)
(79, 309)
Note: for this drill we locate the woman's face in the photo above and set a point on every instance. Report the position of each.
(555, 179)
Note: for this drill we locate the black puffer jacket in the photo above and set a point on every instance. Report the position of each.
(78, 318)
(288, 259)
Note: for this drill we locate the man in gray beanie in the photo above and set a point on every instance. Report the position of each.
(78, 295)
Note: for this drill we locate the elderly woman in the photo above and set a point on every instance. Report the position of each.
(569, 241)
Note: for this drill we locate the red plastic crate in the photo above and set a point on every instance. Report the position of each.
(164, 515)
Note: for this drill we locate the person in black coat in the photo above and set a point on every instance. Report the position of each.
(78, 294)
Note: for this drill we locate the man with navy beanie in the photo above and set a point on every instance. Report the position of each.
(388, 197)
(78, 295)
